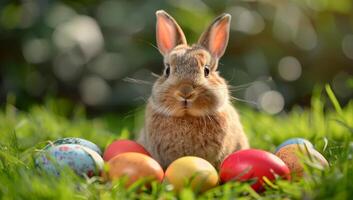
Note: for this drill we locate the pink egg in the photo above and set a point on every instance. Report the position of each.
(123, 146)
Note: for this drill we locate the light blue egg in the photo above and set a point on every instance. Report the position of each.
(295, 141)
(82, 160)
(73, 140)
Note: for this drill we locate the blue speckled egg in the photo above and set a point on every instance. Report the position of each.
(73, 140)
(82, 160)
(295, 141)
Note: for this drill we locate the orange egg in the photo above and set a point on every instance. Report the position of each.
(295, 155)
(200, 172)
(134, 166)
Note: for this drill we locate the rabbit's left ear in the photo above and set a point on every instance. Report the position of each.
(168, 32)
(215, 38)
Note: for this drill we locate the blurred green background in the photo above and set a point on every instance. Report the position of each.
(84, 50)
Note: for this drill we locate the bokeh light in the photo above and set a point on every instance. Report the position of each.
(68, 66)
(109, 65)
(272, 102)
(246, 21)
(254, 92)
(58, 14)
(36, 50)
(81, 31)
(289, 68)
(94, 90)
(291, 24)
(347, 46)
(111, 13)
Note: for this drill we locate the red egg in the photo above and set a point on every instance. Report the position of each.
(253, 164)
(123, 146)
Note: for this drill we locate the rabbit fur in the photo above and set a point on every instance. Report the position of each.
(189, 112)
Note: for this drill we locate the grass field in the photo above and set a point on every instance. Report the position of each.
(328, 126)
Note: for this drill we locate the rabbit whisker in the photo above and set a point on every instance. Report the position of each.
(234, 88)
(155, 75)
(231, 90)
(133, 80)
(243, 100)
(245, 85)
(150, 44)
(144, 99)
(132, 112)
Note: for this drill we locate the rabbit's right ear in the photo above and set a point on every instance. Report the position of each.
(215, 38)
(168, 32)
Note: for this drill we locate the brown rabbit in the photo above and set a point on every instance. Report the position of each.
(189, 112)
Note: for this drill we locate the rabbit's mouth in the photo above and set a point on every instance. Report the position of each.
(194, 104)
(188, 107)
(186, 104)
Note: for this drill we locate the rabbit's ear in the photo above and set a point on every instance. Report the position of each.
(215, 38)
(168, 32)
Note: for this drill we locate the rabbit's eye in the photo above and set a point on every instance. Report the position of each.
(207, 70)
(167, 70)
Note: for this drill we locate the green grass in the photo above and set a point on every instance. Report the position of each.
(328, 126)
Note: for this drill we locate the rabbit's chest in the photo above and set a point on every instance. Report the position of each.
(197, 136)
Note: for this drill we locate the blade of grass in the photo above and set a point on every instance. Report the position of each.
(333, 99)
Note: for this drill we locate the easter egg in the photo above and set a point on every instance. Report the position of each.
(80, 159)
(295, 141)
(201, 174)
(73, 140)
(134, 166)
(253, 164)
(295, 155)
(123, 146)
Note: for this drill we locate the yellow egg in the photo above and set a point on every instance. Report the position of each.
(295, 155)
(200, 172)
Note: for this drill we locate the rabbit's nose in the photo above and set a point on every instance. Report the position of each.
(185, 91)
